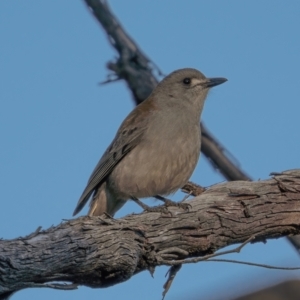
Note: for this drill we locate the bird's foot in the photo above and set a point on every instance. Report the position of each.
(193, 189)
(161, 208)
(185, 206)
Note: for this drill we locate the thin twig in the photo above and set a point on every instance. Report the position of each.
(172, 273)
(206, 257)
(253, 264)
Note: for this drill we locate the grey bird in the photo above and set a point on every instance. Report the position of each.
(156, 148)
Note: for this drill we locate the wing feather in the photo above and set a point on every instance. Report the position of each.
(118, 149)
(127, 138)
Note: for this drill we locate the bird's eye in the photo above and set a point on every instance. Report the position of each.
(187, 80)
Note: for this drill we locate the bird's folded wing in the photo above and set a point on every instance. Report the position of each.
(124, 142)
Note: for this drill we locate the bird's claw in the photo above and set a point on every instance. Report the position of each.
(183, 205)
(161, 208)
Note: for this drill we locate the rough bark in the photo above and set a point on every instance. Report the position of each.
(136, 69)
(100, 252)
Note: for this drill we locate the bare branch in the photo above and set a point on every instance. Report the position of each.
(101, 252)
(215, 153)
(136, 69)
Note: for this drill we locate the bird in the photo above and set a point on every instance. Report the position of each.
(156, 148)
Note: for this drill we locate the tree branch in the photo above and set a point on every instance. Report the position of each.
(100, 252)
(136, 69)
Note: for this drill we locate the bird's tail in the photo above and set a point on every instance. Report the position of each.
(104, 202)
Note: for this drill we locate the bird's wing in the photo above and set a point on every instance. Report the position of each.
(128, 136)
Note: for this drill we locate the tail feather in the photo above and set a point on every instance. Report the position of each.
(98, 205)
(81, 203)
(104, 202)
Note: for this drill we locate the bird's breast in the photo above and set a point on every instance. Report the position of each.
(159, 165)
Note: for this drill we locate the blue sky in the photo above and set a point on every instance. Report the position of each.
(56, 121)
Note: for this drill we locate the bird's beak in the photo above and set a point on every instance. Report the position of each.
(211, 82)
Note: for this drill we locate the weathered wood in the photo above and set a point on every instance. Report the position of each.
(136, 69)
(100, 252)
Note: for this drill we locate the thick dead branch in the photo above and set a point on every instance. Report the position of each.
(215, 153)
(100, 252)
(136, 69)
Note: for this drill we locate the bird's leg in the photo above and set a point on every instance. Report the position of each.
(166, 201)
(169, 202)
(161, 208)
